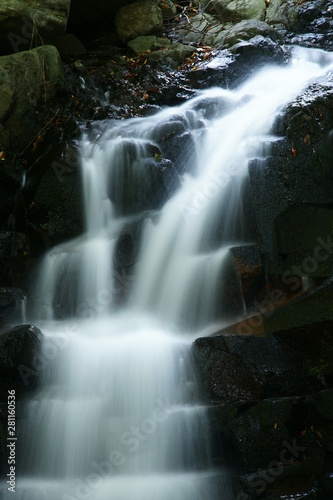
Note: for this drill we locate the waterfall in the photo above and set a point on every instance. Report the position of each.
(118, 412)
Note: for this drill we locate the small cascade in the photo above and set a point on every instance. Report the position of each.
(168, 281)
(118, 413)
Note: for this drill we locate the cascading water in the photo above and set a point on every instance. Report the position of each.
(117, 414)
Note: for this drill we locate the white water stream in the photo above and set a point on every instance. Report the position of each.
(118, 414)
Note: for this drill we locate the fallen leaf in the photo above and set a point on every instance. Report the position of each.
(37, 141)
(293, 151)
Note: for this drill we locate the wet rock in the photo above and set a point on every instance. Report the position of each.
(126, 251)
(296, 180)
(321, 412)
(214, 72)
(258, 51)
(312, 19)
(267, 436)
(299, 334)
(294, 16)
(249, 268)
(34, 77)
(176, 144)
(229, 298)
(57, 194)
(23, 24)
(213, 107)
(138, 19)
(283, 480)
(236, 368)
(220, 232)
(300, 226)
(276, 422)
(11, 305)
(143, 175)
(232, 66)
(225, 377)
(125, 256)
(292, 362)
(19, 347)
(269, 428)
(253, 44)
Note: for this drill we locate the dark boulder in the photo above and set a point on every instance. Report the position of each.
(54, 186)
(249, 268)
(310, 308)
(142, 179)
(292, 189)
(308, 23)
(231, 67)
(176, 144)
(248, 368)
(125, 257)
(261, 436)
(22, 112)
(217, 365)
(271, 418)
(138, 18)
(19, 347)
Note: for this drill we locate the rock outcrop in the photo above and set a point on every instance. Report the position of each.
(29, 82)
(23, 24)
(138, 19)
(292, 189)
